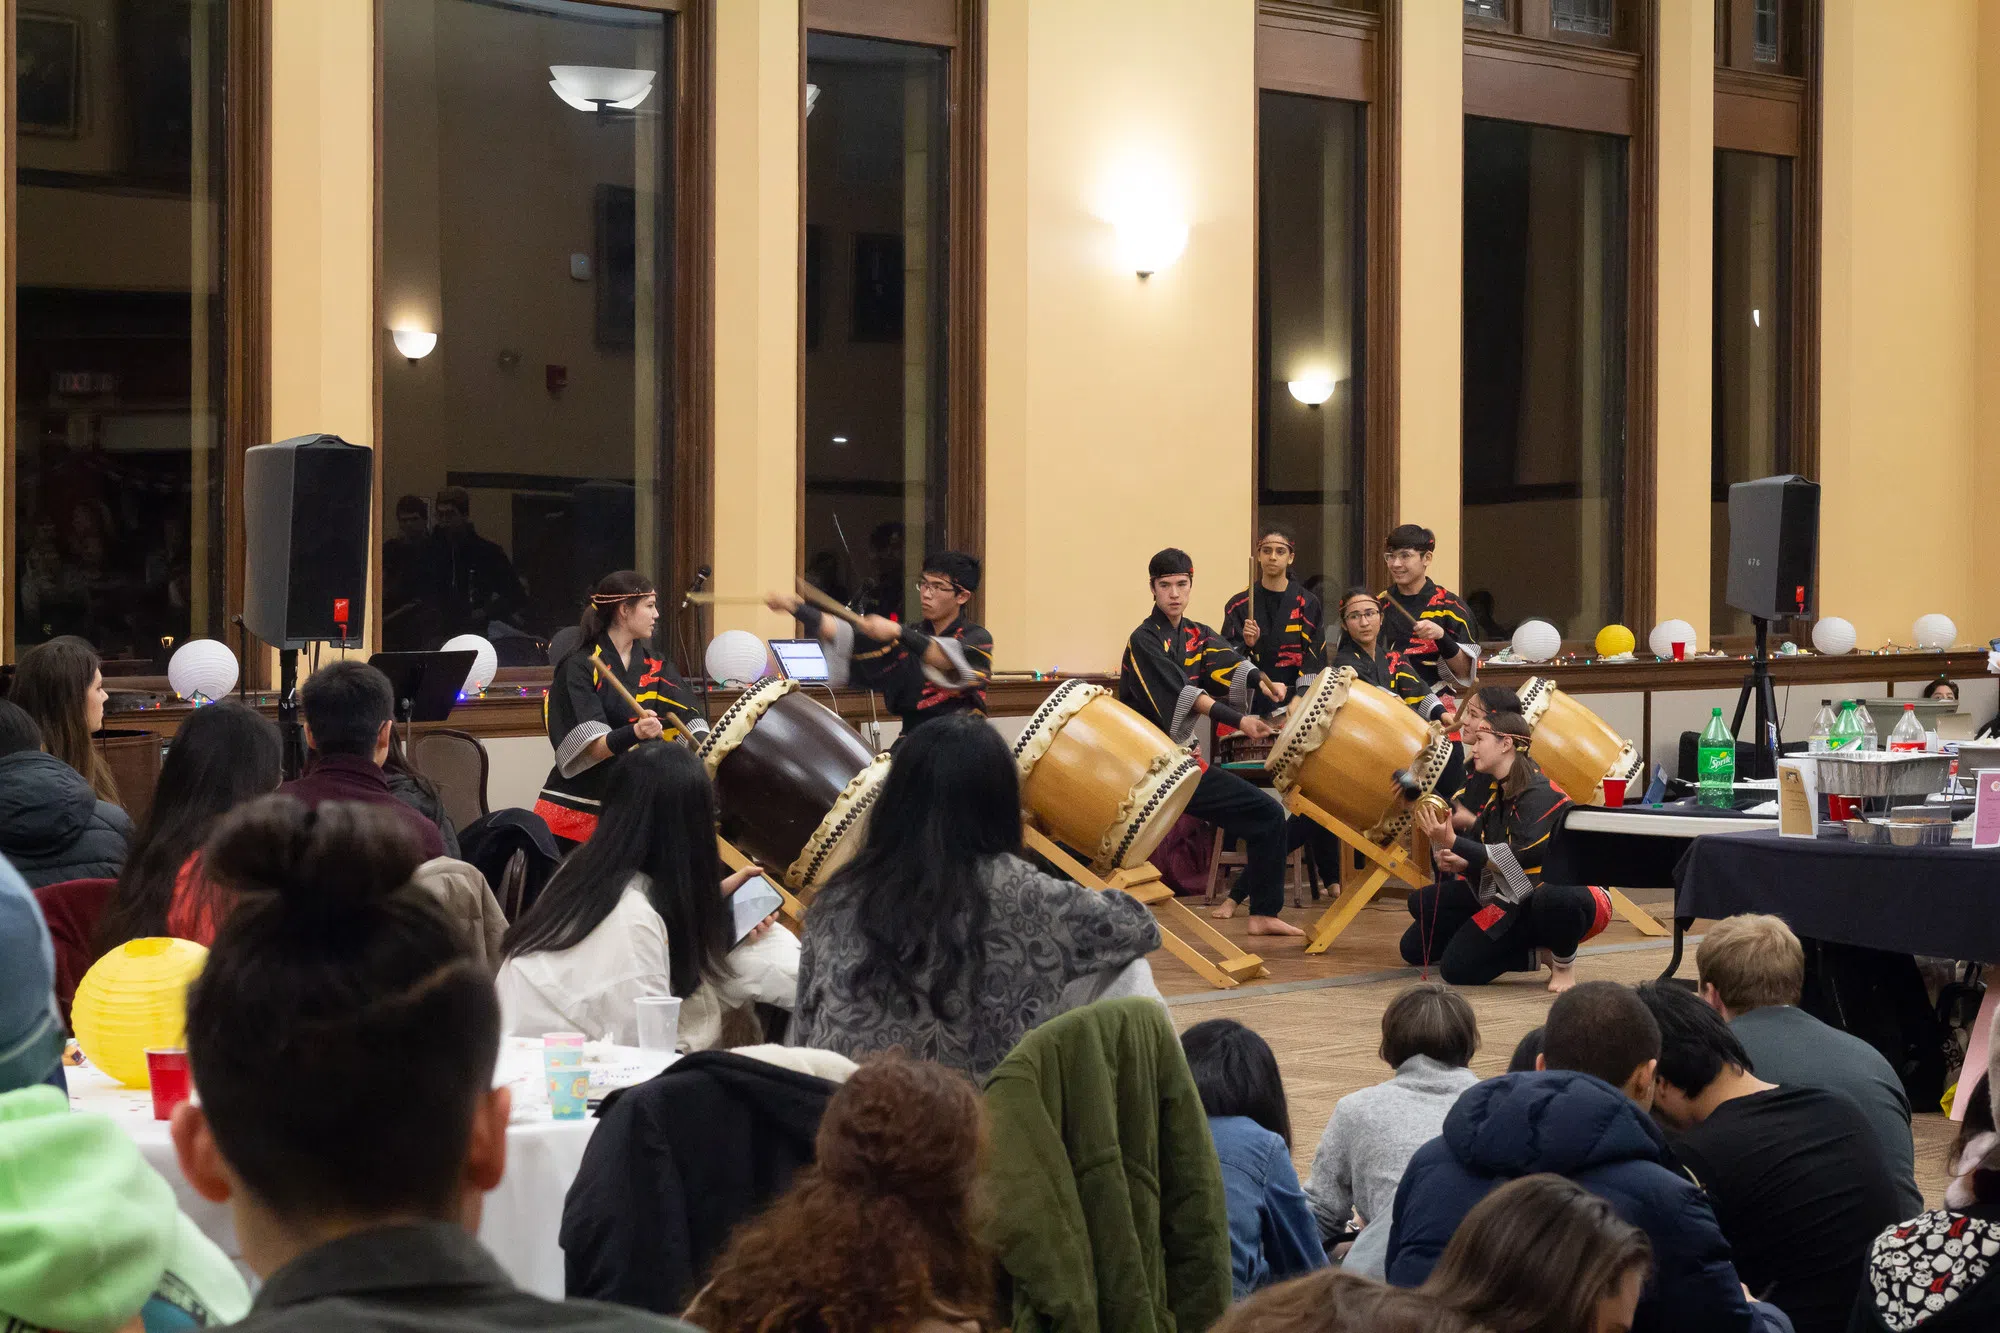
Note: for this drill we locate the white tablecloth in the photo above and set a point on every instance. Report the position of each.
(523, 1215)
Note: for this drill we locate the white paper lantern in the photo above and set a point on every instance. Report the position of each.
(484, 662)
(1537, 641)
(1934, 631)
(1668, 633)
(735, 654)
(1833, 636)
(203, 670)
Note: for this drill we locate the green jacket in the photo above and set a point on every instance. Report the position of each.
(1108, 1212)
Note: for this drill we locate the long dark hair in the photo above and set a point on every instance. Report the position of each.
(1525, 770)
(1536, 1256)
(615, 590)
(50, 685)
(951, 803)
(222, 756)
(658, 820)
(1236, 1074)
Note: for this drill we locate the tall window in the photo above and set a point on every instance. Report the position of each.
(120, 365)
(1752, 393)
(1544, 409)
(1311, 304)
(528, 222)
(877, 288)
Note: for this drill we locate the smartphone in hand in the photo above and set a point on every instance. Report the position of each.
(753, 900)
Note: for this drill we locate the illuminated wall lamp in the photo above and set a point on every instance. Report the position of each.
(416, 344)
(1150, 244)
(1312, 392)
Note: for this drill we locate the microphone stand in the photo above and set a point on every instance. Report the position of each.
(680, 635)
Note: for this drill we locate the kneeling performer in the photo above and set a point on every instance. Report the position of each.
(1175, 670)
(1489, 911)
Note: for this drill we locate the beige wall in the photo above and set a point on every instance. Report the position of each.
(1119, 411)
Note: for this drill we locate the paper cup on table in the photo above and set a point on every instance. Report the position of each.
(562, 1049)
(167, 1069)
(1614, 792)
(569, 1091)
(659, 1022)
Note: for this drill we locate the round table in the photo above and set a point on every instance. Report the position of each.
(523, 1214)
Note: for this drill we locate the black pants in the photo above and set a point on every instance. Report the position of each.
(1473, 945)
(1245, 812)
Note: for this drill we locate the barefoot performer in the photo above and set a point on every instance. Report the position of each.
(1174, 671)
(1489, 911)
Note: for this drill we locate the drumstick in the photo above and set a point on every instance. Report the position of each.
(827, 604)
(617, 686)
(723, 599)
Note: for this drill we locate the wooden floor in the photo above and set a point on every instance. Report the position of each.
(1323, 1015)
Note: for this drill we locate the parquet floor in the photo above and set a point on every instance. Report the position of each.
(1326, 1035)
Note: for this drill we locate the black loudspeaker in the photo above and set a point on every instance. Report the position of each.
(305, 518)
(1773, 546)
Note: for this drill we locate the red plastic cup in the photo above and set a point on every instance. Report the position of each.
(1614, 792)
(1680, 650)
(167, 1069)
(1842, 807)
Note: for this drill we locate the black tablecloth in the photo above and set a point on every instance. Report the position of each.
(1939, 901)
(1627, 859)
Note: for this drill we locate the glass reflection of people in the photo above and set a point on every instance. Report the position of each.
(1276, 622)
(882, 590)
(473, 583)
(408, 620)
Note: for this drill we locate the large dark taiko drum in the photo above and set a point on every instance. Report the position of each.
(1342, 747)
(1573, 745)
(793, 782)
(1101, 778)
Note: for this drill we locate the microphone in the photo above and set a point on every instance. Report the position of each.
(700, 577)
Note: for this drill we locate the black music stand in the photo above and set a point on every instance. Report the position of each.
(426, 685)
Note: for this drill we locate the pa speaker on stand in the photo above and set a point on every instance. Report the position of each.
(1773, 565)
(306, 505)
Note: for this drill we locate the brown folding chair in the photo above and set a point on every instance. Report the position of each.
(455, 762)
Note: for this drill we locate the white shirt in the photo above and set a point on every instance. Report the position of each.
(590, 987)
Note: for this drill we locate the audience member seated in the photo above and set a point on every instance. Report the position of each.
(881, 1234)
(1527, 1051)
(1271, 1231)
(1429, 1036)
(1544, 1255)
(1336, 1301)
(1794, 1175)
(938, 938)
(343, 1043)
(350, 709)
(53, 827)
(1753, 973)
(418, 792)
(1586, 1119)
(90, 1236)
(1937, 1272)
(641, 909)
(61, 686)
(223, 755)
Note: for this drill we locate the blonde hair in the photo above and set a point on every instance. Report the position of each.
(1753, 961)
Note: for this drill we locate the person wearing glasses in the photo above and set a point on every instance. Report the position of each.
(931, 668)
(1361, 647)
(1431, 627)
(1276, 622)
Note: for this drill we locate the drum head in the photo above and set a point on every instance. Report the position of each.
(1065, 701)
(841, 833)
(740, 718)
(1305, 730)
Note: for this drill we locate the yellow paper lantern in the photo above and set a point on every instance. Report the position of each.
(1613, 640)
(132, 998)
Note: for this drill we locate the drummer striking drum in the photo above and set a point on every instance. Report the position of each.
(1174, 671)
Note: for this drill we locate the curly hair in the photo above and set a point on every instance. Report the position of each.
(882, 1231)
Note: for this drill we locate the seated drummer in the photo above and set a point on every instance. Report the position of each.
(588, 722)
(1430, 626)
(1174, 671)
(1489, 912)
(934, 668)
(1361, 647)
(1275, 624)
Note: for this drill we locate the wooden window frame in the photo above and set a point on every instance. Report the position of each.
(1534, 21)
(1352, 56)
(1575, 85)
(246, 332)
(1736, 37)
(692, 382)
(959, 27)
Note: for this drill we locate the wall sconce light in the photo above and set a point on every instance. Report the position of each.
(601, 88)
(416, 344)
(1311, 391)
(812, 97)
(1151, 242)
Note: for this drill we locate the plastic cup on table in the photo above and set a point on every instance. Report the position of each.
(562, 1049)
(659, 1022)
(1680, 650)
(167, 1071)
(1841, 808)
(569, 1091)
(1614, 792)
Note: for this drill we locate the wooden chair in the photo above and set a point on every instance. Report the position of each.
(1298, 885)
(456, 763)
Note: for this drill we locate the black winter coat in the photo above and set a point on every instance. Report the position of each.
(53, 827)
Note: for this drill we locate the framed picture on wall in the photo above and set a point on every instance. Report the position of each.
(48, 74)
(878, 288)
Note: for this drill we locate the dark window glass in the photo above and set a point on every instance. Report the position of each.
(1589, 18)
(877, 160)
(1544, 376)
(118, 340)
(1752, 390)
(1495, 10)
(1311, 305)
(530, 453)
(1764, 32)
